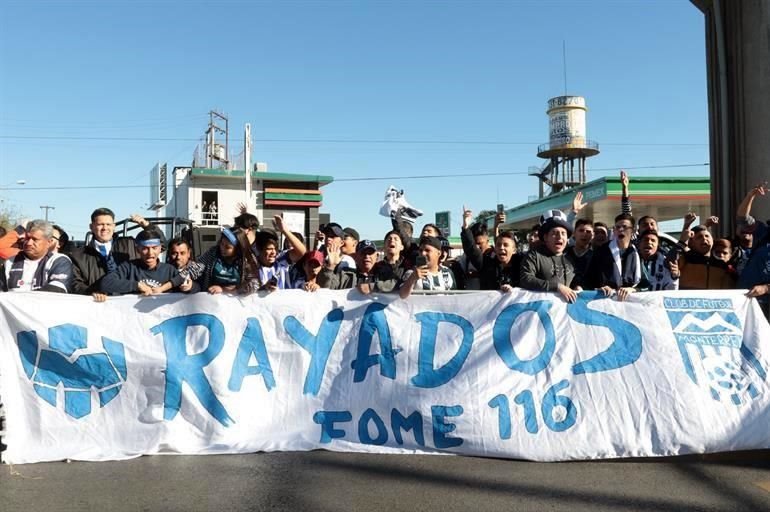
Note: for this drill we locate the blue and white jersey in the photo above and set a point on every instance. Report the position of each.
(22, 274)
(442, 280)
(279, 270)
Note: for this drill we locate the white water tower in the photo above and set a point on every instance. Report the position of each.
(568, 146)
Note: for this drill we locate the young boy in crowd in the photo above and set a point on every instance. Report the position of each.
(428, 273)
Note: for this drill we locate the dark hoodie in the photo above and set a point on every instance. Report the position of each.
(543, 271)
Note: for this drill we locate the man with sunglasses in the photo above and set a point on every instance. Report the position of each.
(37, 267)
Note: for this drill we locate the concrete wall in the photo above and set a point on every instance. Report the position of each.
(738, 57)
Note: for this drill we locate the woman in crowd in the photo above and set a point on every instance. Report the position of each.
(230, 266)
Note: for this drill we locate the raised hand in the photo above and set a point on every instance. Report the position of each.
(467, 216)
(577, 202)
(624, 179)
(278, 223)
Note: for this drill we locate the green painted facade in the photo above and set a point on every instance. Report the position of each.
(609, 187)
(293, 197)
(265, 176)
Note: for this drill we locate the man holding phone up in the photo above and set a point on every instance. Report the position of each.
(428, 274)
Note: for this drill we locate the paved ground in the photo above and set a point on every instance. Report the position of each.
(326, 481)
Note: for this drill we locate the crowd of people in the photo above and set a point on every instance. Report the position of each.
(564, 254)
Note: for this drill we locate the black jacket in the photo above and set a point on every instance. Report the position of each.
(89, 267)
(601, 268)
(492, 275)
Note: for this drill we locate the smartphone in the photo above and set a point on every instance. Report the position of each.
(271, 283)
(420, 261)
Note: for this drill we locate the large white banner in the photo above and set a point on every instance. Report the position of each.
(519, 375)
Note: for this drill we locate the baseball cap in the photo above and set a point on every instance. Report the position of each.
(334, 230)
(315, 256)
(433, 241)
(366, 245)
(351, 233)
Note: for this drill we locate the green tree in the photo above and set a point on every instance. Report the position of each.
(9, 216)
(483, 215)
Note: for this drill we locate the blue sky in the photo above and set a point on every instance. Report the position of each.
(466, 76)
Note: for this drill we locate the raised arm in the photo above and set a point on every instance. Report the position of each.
(625, 199)
(472, 252)
(744, 209)
(297, 247)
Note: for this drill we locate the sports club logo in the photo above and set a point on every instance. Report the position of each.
(710, 339)
(71, 367)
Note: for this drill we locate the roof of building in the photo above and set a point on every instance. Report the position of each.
(264, 176)
(665, 198)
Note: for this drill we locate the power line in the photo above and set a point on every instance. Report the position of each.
(373, 178)
(330, 141)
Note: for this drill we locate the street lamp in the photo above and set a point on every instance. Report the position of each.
(17, 182)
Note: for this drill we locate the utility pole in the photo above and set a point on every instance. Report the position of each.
(46, 208)
(247, 161)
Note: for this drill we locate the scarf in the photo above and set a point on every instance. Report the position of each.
(632, 274)
(193, 270)
(657, 274)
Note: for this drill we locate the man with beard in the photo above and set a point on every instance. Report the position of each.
(658, 272)
(37, 267)
(699, 269)
(146, 275)
(615, 266)
(547, 268)
(179, 255)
